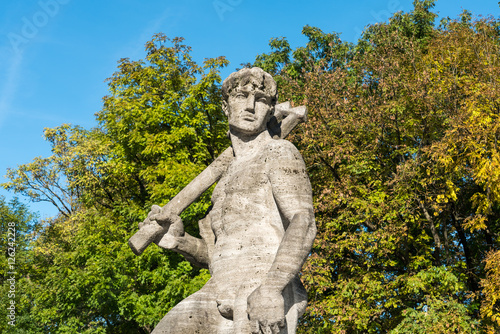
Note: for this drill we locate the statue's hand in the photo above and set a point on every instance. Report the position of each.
(266, 310)
(171, 223)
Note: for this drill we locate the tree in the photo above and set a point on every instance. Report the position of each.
(160, 126)
(17, 228)
(402, 153)
(401, 149)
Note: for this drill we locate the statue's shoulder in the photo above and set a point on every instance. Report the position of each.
(281, 149)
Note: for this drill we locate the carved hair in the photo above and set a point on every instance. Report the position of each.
(255, 76)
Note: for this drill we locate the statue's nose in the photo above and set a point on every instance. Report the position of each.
(250, 104)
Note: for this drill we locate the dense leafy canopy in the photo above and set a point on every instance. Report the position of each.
(160, 126)
(403, 157)
(18, 226)
(401, 148)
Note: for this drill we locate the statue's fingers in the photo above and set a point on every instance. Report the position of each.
(155, 209)
(162, 218)
(254, 327)
(145, 222)
(265, 328)
(275, 329)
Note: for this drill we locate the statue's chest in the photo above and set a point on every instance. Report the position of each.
(241, 193)
(244, 176)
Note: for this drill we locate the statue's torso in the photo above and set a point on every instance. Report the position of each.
(246, 223)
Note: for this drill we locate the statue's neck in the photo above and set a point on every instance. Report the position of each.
(245, 145)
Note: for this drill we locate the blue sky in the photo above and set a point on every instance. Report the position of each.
(56, 54)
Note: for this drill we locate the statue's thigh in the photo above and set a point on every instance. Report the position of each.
(196, 314)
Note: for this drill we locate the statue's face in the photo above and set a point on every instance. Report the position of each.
(248, 110)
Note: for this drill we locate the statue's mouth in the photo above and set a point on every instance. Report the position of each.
(248, 117)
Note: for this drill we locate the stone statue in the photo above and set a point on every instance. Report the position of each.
(259, 230)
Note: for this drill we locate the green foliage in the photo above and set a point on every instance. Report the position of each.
(437, 316)
(160, 126)
(164, 120)
(402, 152)
(490, 306)
(440, 312)
(17, 229)
(401, 146)
(99, 284)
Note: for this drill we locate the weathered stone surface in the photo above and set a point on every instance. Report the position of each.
(257, 234)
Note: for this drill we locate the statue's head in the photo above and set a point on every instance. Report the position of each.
(249, 97)
(254, 76)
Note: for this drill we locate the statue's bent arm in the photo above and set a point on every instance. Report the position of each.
(293, 195)
(193, 249)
